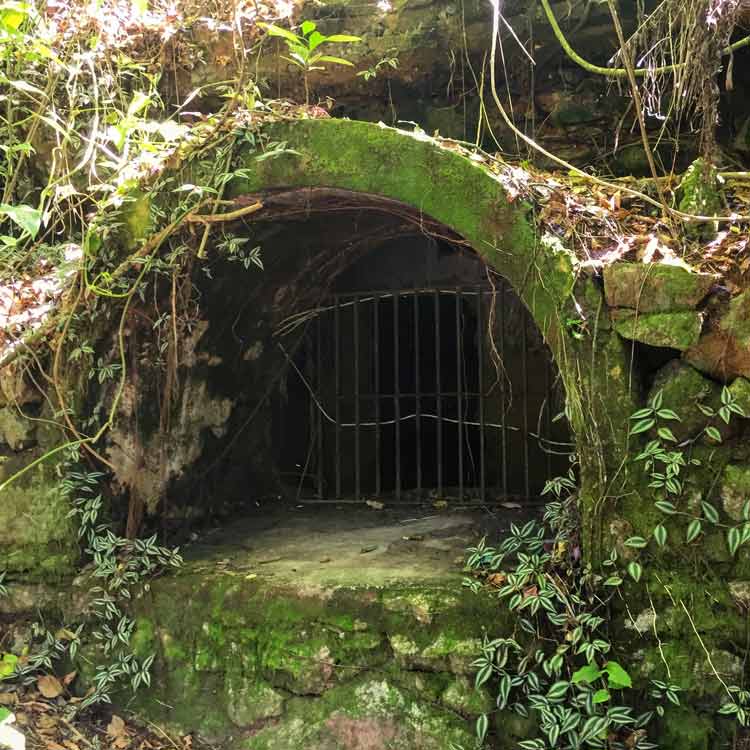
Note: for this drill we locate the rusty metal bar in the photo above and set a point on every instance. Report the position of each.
(319, 424)
(396, 393)
(337, 388)
(459, 398)
(357, 436)
(417, 385)
(503, 395)
(439, 397)
(376, 347)
(480, 377)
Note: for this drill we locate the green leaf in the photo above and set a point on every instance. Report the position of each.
(707, 410)
(343, 38)
(336, 60)
(693, 530)
(710, 512)
(665, 507)
(315, 40)
(4, 714)
(668, 414)
(26, 217)
(733, 540)
(726, 396)
(638, 542)
(617, 676)
(483, 724)
(274, 30)
(746, 510)
(725, 413)
(308, 27)
(642, 426)
(666, 434)
(655, 402)
(642, 413)
(635, 570)
(590, 673)
(714, 434)
(138, 103)
(613, 581)
(601, 696)
(660, 535)
(558, 690)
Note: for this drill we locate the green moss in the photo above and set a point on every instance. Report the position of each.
(700, 195)
(36, 536)
(684, 728)
(677, 330)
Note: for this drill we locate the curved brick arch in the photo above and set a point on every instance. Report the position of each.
(441, 183)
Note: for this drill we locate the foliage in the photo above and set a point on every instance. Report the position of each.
(562, 667)
(303, 48)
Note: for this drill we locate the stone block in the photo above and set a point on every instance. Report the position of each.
(676, 330)
(653, 288)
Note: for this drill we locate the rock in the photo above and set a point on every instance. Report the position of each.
(461, 696)
(735, 490)
(16, 431)
(699, 195)
(683, 388)
(740, 391)
(371, 714)
(250, 699)
(676, 330)
(740, 591)
(651, 288)
(724, 352)
(14, 388)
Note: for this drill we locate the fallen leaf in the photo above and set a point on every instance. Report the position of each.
(376, 504)
(116, 727)
(7, 699)
(69, 678)
(49, 686)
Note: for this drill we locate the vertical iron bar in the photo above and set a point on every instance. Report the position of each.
(319, 394)
(355, 323)
(480, 362)
(524, 366)
(376, 333)
(459, 394)
(396, 394)
(337, 379)
(417, 392)
(438, 397)
(503, 395)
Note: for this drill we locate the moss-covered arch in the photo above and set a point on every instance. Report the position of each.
(463, 194)
(439, 182)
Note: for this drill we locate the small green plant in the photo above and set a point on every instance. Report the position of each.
(560, 664)
(389, 61)
(303, 48)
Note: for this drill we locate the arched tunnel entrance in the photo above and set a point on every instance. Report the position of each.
(373, 357)
(418, 376)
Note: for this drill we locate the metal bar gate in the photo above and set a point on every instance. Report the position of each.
(405, 400)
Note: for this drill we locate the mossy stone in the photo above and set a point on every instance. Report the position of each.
(735, 490)
(36, 536)
(675, 330)
(16, 430)
(250, 700)
(740, 391)
(683, 388)
(653, 288)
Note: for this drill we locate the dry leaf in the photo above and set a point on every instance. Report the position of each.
(7, 699)
(49, 686)
(51, 745)
(376, 504)
(116, 726)
(69, 678)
